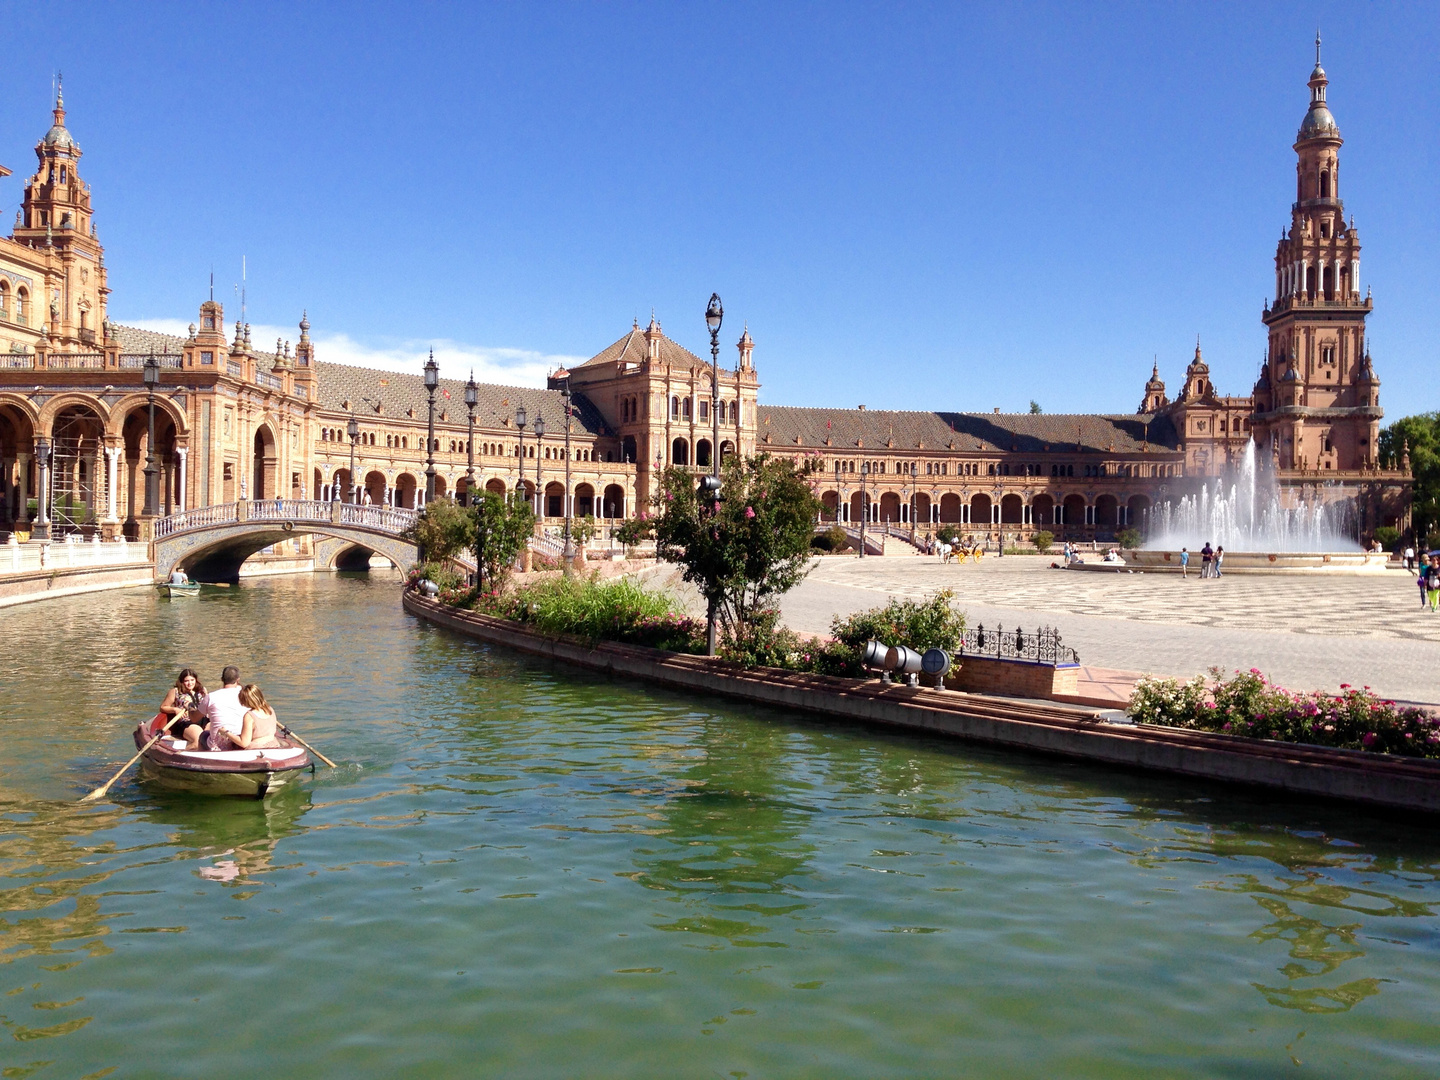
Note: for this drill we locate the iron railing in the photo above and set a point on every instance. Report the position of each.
(390, 519)
(1043, 646)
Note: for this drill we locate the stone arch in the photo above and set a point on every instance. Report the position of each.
(980, 512)
(922, 508)
(374, 485)
(950, 508)
(1139, 511)
(1042, 510)
(264, 473)
(1012, 509)
(890, 507)
(584, 500)
(1107, 512)
(680, 452)
(496, 485)
(727, 448)
(830, 501)
(553, 505)
(45, 421)
(405, 489)
(702, 453)
(613, 501)
(123, 409)
(217, 554)
(1074, 508)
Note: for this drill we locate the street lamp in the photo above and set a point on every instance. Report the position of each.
(472, 398)
(352, 428)
(714, 313)
(150, 373)
(864, 504)
(520, 422)
(565, 399)
(539, 495)
(432, 380)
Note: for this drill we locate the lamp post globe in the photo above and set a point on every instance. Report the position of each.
(472, 398)
(432, 380)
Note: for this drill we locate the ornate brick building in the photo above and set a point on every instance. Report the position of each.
(235, 422)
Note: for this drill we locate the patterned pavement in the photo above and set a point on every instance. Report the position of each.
(1306, 632)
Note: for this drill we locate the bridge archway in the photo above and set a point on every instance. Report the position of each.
(263, 482)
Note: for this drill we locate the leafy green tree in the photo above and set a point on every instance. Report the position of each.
(1035, 409)
(1042, 540)
(582, 530)
(443, 530)
(633, 530)
(748, 548)
(1130, 539)
(1421, 434)
(947, 534)
(503, 526)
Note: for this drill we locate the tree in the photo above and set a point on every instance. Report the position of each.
(503, 526)
(1042, 540)
(1421, 435)
(748, 548)
(1130, 539)
(583, 529)
(1035, 409)
(442, 531)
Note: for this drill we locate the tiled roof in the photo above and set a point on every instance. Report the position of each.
(632, 348)
(134, 340)
(398, 391)
(973, 432)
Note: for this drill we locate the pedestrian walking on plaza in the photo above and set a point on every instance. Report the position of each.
(1410, 558)
(1207, 553)
(1185, 562)
(1432, 583)
(1219, 558)
(1420, 580)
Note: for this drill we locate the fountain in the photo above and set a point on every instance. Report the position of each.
(1243, 512)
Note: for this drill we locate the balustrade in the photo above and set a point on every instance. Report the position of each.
(75, 361)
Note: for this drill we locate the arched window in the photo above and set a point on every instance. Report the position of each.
(1324, 183)
(685, 409)
(4, 299)
(22, 304)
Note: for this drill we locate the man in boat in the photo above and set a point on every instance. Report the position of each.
(221, 711)
(179, 577)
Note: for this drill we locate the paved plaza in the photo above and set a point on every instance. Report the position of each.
(1306, 632)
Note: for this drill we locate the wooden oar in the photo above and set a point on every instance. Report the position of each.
(99, 792)
(307, 746)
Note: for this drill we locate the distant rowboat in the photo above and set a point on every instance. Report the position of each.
(191, 589)
(218, 772)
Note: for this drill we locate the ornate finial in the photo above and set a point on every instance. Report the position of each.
(1317, 47)
(304, 324)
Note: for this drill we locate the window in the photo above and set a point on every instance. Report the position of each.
(705, 410)
(207, 358)
(208, 322)
(228, 414)
(685, 409)
(674, 408)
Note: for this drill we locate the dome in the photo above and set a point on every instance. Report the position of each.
(1318, 123)
(59, 136)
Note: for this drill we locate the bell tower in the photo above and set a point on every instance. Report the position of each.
(1327, 416)
(56, 218)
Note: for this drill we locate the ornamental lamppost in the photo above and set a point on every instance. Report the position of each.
(432, 380)
(352, 428)
(520, 421)
(472, 398)
(914, 495)
(714, 313)
(150, 373)
(539, 495)
(565, 399)
(839, 493)
(864, 504)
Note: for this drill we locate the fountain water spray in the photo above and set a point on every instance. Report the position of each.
(1242, 511)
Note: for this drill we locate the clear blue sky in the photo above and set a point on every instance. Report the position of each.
(964, 206)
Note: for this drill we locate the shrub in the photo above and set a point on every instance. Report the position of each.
(947, 534)
(1248, 704)
(839, 538)
(1129, 539)
(583, 529)
(440, 573)
(633, 530)
(933, 623)
(586, 607)
(1388, 537)
(503, 526)
(442, 530)
(1043, 540)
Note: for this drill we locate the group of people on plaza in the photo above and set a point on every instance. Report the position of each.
(234, 717)
(1211, 560)
(1427, 576)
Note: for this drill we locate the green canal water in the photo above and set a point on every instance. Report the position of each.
(525, 871)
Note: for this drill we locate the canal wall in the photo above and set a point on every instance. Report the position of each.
(1071, 731)
(31, 585)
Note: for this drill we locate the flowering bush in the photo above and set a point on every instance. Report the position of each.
(1249, 704)
(587, 607)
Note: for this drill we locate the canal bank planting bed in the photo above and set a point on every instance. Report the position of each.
(1376, 779)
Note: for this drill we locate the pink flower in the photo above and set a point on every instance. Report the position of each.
(1368, 739)
(1344, 686)
(749, 512)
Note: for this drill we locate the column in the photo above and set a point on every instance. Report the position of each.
(1355, 276)
(1320, 278)
(23, 463)
(5, 472)
(112, 471)
(182, 452)
(42, 484)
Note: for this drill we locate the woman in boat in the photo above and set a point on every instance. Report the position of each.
(182, 704)
(257, 730)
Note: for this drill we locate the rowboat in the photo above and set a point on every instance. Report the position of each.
(218, 772)
(192, 589)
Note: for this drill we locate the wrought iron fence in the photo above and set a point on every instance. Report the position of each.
(1042, 646)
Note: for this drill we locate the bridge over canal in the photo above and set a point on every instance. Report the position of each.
(210, 543)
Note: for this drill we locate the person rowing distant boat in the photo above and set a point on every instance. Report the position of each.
(179, 577)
